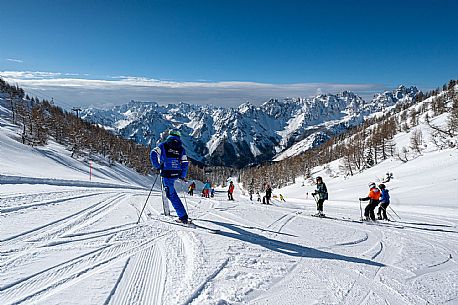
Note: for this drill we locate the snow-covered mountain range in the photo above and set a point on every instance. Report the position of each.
(247, 134)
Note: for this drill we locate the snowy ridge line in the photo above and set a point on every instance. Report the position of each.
(201, 287)
(353, 242)
(4, 179)
(379, 248)
(53, 280)
(279, 224)
(447, 264)
(32, 205)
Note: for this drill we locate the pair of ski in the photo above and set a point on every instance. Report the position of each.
(191, 224)
(167, 218)
(369, 222)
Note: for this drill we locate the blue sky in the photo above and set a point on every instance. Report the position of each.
(294, 48)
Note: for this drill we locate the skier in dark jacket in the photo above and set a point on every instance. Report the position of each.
(373, 197)
(321, 194)
(170, 158)
(384, 202)
(266, 198)
(191, 188)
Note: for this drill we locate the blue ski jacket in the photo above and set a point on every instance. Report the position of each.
(170, 158)
(385, 196)
(322, 191)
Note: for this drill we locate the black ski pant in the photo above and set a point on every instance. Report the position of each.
(369, 210)
(191, 192)
(229, 195)
(382, 210)
(319, 205)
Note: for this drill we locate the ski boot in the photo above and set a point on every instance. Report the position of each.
(186, 221)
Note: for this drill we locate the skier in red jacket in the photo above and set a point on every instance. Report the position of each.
(230, 191)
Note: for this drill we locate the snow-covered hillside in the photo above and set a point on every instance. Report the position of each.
(67, 240)
(247, 134)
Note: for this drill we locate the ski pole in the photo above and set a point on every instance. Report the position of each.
(316, 201)
(394, 212)
(184, 195)
(144, 206)
(386, 211)
(361, 209)
(389, 214)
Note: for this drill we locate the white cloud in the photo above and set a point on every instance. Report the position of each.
(120, 89)
(25, 75)
(14, 60)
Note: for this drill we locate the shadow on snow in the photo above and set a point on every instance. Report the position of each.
(286, 247)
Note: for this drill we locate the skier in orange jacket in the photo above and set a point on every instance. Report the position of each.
(373, 197)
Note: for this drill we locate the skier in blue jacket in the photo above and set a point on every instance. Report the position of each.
(170, 158)
(384, 202)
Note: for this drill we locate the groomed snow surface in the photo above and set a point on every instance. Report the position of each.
(67, 240)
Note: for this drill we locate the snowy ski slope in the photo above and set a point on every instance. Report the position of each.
(67, 240)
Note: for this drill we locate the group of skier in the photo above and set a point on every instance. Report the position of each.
(378, 196)
(191, 188)
(208, 190)
(170, 159)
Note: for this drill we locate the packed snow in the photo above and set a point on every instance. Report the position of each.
(66, 239)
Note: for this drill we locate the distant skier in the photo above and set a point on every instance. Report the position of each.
(384, 202)
(191, 188)
(251, 194)
(259, 196)
(230, 191)
(322, 194)
(170, 158)
(212, 192)
(268, 195)
(282, 198)
(207, 187)
(373, 197)
(388, 177)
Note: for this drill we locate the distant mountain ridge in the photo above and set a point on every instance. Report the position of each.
(247, 134)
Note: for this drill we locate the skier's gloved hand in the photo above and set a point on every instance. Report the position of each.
(156, 171)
